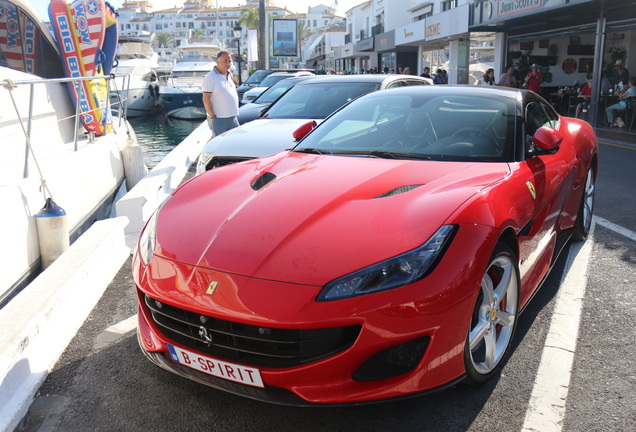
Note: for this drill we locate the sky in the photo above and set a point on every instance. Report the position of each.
(300, 6)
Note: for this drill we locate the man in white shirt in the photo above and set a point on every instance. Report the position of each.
(219, 96)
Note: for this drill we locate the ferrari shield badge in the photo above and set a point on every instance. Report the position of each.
(531, 189)
(212, 287)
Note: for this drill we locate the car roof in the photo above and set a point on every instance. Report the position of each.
(463, 90)
(373, 78)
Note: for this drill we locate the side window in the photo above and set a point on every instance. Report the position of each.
(396, 84)
(537, 115)
(416, 82)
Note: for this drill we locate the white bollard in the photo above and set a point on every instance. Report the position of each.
(134, 167)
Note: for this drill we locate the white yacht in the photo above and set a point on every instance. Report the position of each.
(46, 152)
(181, 93)
(135, 88)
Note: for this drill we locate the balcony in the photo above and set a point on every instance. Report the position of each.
(377, 29)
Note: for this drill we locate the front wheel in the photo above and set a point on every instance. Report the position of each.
(494, 317)
(584, 216)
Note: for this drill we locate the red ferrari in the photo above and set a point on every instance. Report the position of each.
(388, 254)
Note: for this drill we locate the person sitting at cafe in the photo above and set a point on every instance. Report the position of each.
(488, 78)
(621, 74)
(623, 101)
(585, 96)
(507, 79)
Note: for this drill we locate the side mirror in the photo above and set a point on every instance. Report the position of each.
(302, 131)
(547, 138)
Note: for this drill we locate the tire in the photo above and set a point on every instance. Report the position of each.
(494, 317)
(584, 216)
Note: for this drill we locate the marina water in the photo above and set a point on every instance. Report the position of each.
(158, 134)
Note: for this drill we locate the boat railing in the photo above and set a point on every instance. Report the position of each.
(11, 84)
(121, 94)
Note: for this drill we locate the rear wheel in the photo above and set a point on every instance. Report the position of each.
(494, 317)
(584, 217)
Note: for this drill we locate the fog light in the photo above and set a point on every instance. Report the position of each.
(393, 361)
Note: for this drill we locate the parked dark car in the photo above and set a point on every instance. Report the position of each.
(258, 76)
(309, 101)
(251, 111)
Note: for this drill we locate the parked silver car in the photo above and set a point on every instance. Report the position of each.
(251, 111)
(250, 95)
(311, 100)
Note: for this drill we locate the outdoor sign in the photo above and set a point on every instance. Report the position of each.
(285, 38)
(385, 41)
(410, 33)
(446, 24)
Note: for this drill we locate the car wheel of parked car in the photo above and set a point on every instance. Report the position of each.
(584, 217)
(494, 317)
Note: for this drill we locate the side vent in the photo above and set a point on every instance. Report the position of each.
(261, 181)
(398, 191)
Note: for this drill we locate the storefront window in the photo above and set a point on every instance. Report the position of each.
(482, 55)
(388, 61)
(436, 59)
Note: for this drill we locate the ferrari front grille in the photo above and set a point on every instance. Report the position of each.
(217, 162)
(248, 344)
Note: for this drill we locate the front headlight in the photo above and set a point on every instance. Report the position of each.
(392, 273)
(203, 161)
(148, 237)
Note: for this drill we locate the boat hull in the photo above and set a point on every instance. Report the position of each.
(136, 101)
(183, 104)
(83, 182)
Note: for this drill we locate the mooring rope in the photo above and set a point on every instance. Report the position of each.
(9, 85)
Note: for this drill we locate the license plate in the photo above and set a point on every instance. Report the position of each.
(217, 368)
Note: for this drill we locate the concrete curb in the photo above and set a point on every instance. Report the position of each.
(40, 321)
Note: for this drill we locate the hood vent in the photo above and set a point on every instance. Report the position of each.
(398, 191)
(262, 180)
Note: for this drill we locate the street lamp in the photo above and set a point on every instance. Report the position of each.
(238, 31)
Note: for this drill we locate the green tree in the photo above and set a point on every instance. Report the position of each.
(163, 39)
(197, 34)
(249, 18)
(303, 30)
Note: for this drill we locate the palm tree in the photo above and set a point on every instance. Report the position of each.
(251, 19)
(197, 34)
(303, 30)
(163, 39)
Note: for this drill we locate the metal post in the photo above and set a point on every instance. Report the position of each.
(601, 28)
(78, 98)
(25, 173)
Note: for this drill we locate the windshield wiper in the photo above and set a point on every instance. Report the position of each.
(311, 150)
(382, 154)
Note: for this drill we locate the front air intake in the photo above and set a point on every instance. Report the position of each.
(398, 191)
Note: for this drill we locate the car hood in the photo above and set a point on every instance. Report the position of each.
(309, 219)
(258, 138)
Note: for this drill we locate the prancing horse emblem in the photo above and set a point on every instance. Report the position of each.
(533, 192)
(205, 336)
(212, 287)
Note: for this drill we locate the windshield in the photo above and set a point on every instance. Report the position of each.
(257, 77)
(273, 79)
(404, 124)
(274, 92)
(317, 100)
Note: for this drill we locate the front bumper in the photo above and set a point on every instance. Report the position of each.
(437, 308)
